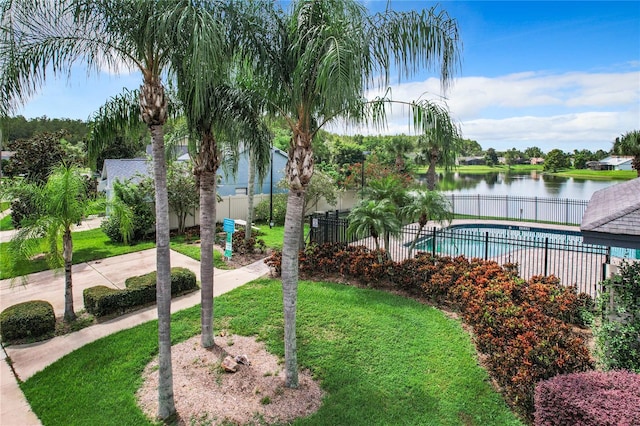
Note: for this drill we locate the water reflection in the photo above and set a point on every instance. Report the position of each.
(530, 184)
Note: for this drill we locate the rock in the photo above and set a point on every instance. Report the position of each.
(229, 365)
(242, 359)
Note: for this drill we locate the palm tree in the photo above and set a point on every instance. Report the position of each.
(374, 218)
(439, 145)
(51, 37)
(317, 60)
(426, 206)
(214, 90)
(392, 189)
(399, 146)
(629, 144)
(62, 203)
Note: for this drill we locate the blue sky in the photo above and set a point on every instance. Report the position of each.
(548, 74)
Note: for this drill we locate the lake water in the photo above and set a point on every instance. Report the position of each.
(533, 184)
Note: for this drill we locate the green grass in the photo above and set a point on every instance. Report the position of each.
(193, 251)
(274, 237)
(5, 223)
(382, 359)
(598, 174)
(87, 245)
(4, 205)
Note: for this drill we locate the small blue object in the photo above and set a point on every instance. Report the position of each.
(229, 225)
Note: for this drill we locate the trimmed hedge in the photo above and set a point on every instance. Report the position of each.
(32, 319)
(140, 290)
(589, 399)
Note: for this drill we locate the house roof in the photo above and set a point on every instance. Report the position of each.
(124, 169)
(612, 217)
(616, 160)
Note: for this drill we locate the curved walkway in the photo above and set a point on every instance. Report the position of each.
(23, 361)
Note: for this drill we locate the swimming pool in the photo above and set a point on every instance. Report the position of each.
(489, 241)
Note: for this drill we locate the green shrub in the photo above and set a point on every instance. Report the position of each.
(263, 209)
(31, 319)
(617, 334)
(182, 280)
(101, 300)
(140, 290)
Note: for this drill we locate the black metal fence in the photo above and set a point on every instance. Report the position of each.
(560, 254)
(558, 210)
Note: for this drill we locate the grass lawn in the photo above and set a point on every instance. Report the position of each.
(4, 205)
(274, 237)
(598, 174)
(94, 244)
(87, 245)
(193, 251)
(382, 359)
(5, 223)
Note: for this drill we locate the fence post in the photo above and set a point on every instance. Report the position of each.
(566, 214)
(506, 204)
(486, 245)
(478, 206)
(433, 242)
(311, 230)
(546, 255)
(536, 207)
(325, 237)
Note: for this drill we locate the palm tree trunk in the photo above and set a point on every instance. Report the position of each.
(290, 248)
(299, 172)
(250, 194)
(67, 254)
(207, 227)
(415, 241)
(166, 404)
(206, 167)
(431, 174)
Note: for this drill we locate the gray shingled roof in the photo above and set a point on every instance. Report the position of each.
(612, 217)
(125, 169)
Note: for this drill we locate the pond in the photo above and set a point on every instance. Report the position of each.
(530, 184)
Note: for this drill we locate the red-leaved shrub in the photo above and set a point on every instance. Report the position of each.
(589, 399)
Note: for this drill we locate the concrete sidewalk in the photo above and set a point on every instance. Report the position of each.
(26, 360)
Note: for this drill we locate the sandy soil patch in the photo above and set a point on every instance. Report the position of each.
(205, 394)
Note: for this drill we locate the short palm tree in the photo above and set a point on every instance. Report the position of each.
(439, 145)
(374, 218)
(423, 207)
(62, 203)
(317, 61)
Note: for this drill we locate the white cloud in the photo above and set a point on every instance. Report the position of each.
(568, 111)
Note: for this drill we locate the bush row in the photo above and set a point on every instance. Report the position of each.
(32, 319)
(140, 290)
(522, 327)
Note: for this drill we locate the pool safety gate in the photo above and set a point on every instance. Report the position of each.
(575, 263)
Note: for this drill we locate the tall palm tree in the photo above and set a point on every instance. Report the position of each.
(423, 207)
(317, 60)
(374, 218)
(41, 37)
(221, 110)
(62, 203)
(629, 144)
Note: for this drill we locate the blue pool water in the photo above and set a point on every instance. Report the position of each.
(477, 240)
